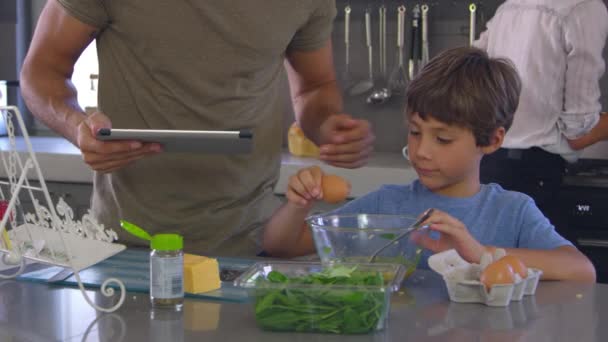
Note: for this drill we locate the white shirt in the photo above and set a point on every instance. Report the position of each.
(556, 46)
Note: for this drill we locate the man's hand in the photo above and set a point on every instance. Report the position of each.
(345, 142)
(108, 156)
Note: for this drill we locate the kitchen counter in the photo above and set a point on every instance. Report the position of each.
(61, 161)
(560, 311)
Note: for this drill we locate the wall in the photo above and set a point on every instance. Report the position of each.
(8, 57)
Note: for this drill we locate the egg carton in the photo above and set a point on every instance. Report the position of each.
(462, 279)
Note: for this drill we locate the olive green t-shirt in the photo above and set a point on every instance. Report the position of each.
(198, 65)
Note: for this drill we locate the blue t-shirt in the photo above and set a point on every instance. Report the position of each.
(494, 216)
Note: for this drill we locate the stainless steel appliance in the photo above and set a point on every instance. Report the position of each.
(584, 205)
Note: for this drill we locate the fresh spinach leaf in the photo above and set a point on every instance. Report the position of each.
(324, 308)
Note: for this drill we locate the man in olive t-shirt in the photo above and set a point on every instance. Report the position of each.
(196, 65)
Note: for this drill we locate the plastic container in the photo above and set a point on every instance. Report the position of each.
(167, 271)
(353, 238)
(462, 281)
(320, 307)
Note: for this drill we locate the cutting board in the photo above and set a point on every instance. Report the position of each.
(132, 267)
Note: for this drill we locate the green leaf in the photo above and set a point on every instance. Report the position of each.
(388, 236)
(326, 250)
(276, 277)
(340, 271)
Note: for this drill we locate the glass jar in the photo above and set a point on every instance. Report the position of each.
(167, 271)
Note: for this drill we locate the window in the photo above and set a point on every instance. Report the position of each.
(85, 76)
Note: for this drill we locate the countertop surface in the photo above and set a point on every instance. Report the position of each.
(559, 311)
(60, 161)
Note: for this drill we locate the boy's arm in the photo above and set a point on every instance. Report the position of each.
(541, 246)
(287, 234)
(561, 263)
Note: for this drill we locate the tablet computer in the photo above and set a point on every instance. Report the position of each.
(211, 142)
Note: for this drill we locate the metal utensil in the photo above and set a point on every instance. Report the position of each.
(398, 79)
(382, 93)
(414, 62)
(346, 75)
(382, 38)
(425, 35)
(472, 23)
(364, 86)
(417, 225)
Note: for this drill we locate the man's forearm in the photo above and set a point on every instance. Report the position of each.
(598, 133)
(313, 106)
(52, 98)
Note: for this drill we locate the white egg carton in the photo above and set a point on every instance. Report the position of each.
(462, 280)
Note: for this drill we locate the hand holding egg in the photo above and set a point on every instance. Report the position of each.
(311, 184)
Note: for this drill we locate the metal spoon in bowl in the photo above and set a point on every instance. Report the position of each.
(417, 225)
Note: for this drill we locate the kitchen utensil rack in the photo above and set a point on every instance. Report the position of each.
(50, 234)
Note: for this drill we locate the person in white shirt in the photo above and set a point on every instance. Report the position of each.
(556, 47)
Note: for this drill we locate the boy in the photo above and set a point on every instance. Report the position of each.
(458, 110)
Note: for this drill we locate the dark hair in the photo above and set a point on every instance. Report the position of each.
(465, 87)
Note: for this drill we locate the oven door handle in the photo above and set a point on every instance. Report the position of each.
(592, 243)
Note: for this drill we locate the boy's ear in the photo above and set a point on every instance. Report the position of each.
(495, 141)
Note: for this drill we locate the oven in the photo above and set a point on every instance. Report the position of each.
(583, 204)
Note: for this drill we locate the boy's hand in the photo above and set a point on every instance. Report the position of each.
(305, 187)
(453, 234)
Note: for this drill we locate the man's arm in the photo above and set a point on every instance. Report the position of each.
(598, 133)
(344, 141)
(314, 88)
(58, 41)
(584, 44)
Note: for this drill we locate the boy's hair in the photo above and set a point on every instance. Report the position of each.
(465, 87)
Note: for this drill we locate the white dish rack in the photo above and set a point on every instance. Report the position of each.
(50, 234)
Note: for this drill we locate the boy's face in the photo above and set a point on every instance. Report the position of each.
(445, 157)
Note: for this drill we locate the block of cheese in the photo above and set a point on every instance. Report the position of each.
(201, 315)
(201, 274)
(299, 145)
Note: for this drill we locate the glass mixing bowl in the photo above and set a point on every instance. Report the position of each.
(353, 238)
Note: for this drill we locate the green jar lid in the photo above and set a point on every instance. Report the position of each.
(167, 242)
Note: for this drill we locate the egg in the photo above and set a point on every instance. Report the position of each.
(335, 188)
(516, 264)
(498, 272)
